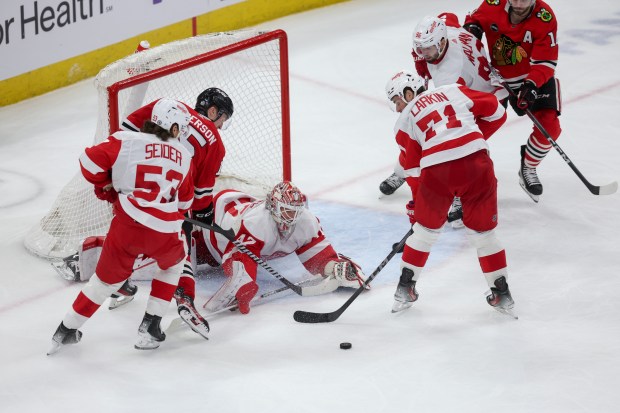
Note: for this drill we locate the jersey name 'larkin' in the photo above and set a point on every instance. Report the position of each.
(428, 99)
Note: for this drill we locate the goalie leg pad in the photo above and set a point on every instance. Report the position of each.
(227, 294)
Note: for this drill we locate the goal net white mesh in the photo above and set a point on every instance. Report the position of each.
(250, 66)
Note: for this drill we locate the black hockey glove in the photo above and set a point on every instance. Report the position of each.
(474, 29)
(527, 95)
(205, 215)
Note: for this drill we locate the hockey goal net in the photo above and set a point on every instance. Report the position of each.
(250, 66)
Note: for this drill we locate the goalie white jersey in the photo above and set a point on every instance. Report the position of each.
(254, 226)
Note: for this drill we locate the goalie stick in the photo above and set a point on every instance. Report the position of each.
(328, 284)
(309, 317)
(608, 189)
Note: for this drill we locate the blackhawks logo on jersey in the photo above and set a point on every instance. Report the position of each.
(507, 52)
(544, 15)
(493, 2)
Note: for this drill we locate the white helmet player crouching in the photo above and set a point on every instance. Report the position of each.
(281, 225)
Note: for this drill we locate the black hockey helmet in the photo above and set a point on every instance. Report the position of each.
(214, 97)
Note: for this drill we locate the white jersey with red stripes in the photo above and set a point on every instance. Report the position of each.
(152, 177)
(465, 63)
(254, 226)
(447, 123)
(204, 143)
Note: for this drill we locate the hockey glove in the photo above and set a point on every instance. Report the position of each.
(527, 94)
(205, 215)
(410, 208)
(109, 194)
(474, 29)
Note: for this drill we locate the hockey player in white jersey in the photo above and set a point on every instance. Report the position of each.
(278, 226)
(400, 90)
(447, 130)
(446, 53)
(147, 176)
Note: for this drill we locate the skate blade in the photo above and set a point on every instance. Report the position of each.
(60, 268)
(141, 346)
(116, 302)
(197, 327)
(506, 311)
(535, 198)
(55, 347)
(398, 306)
(456, 224)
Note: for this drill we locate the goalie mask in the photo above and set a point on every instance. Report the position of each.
(428, 33)
(286, 203)
(168, 112)
(218, 98)
(401, 82)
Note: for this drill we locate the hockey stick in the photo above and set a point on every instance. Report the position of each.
(309, 317)
(178, 323)
(320, 288)
(608, 189)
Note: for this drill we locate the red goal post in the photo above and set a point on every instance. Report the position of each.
(249, 65)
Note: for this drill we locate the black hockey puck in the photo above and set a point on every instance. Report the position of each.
(345, 346)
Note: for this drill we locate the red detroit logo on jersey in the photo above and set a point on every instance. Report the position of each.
(162, 150)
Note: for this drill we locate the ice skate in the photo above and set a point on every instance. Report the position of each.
(124, 295)
(150, 335)
(405, 294)
(500, 299)
(189, 314)
(68, 268)
(391, 184)
(528, 179)
(455, 214)
(64, 336)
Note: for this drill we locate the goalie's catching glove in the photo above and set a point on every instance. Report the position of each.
(346, 272)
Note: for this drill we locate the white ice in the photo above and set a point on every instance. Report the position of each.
(450, 352)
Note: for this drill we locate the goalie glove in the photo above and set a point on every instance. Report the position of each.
(205, 215)
(346, 272)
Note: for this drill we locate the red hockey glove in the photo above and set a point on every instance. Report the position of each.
(410, 208)
(527, 94)
(109, 195)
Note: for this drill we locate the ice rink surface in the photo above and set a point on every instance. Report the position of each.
(450, 352)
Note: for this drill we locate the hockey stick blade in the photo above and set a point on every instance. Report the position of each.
(608, 189)
(309, 317)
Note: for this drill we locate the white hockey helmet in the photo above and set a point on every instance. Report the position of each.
(398, 83)
(286, 203)
(429, 32)
(167, 112)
